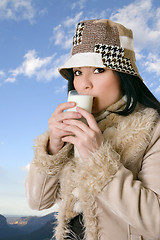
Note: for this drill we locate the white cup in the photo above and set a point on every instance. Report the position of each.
(83, 101)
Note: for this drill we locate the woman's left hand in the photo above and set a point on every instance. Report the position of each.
(86, 138)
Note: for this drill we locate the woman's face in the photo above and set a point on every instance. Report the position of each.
(101, 83)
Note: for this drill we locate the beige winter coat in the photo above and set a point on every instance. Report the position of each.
(117, 189)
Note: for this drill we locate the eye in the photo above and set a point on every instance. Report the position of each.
(77, 73)
(99, 70)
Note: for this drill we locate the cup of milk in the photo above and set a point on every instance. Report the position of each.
(83, 101)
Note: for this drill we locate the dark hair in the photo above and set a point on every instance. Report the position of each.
(135, 91)
(70, 81)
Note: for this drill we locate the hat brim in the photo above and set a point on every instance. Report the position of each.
(88, 59)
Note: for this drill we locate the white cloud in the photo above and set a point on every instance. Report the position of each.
(61, 89)
(152, 63)
(157, 89)
(42, 69)
(43, 11)
(31, 64)
(63, 33)
(61, 59)
(158, 17)
(17, 10)
(10, 79)
(47, 73)
(73, 21)
(58, 35)
(140, 56)
(35, 66)
(101, 15)
(78, 5)
(138, 16)
(144, 19)
(2, 73)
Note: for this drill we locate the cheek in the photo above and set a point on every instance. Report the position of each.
(114, 88)
(111, 91)
(110, 87)
(114, 85)
(75, 84)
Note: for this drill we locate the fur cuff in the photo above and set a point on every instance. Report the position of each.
(49, 164)
(99, 169)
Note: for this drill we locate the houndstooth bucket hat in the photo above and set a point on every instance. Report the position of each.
(103, 44)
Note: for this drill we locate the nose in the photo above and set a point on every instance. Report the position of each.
(87, 83)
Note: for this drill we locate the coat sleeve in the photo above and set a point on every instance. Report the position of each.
(137, 202)
(42, 182)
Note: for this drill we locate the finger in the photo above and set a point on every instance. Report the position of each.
(89, 117)
(70, 115)
(59, 117)
(62, 133)
(57, 125)
(59, 133)
(75, 130)
(81, 125)
(69, 139)
(78, 143)
(64, 106)
(82, 131)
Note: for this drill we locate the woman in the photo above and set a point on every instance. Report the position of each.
(111, 190)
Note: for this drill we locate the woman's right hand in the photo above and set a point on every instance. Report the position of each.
(57, 127)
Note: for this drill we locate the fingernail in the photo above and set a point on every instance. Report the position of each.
(79, 115)
(73, 103)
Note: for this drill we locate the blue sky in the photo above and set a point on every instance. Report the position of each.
(35, 38)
